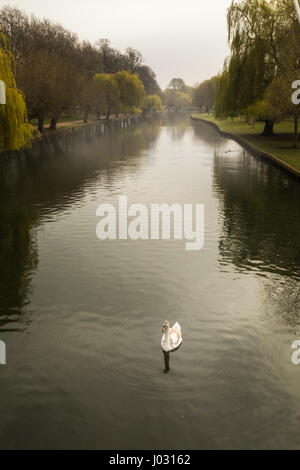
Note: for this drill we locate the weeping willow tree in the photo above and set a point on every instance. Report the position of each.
(264, 45)
(252, 65)
(15, 131)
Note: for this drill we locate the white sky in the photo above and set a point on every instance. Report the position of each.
(177, 38)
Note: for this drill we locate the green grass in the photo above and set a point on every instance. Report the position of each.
(279, 145)
(66, 118)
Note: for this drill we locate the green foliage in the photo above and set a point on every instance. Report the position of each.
(260, 111)
(105, 93)
(152, 103)
(225, 105)
(178, 95)
(205, 94)
(262, 47)
(131, 91)
(256, 79)
(55, 70)
(176, 99)
(16, 133)
(113, 93)
(51, 84)
(278, 99)
(276, 103)
(183, 100)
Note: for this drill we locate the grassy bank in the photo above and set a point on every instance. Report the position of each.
(75, 121)
(280, 145)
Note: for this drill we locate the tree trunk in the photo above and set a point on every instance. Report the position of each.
(295, 132)
(41, 123)
(53, 123)
(269, 128)
(107, 115)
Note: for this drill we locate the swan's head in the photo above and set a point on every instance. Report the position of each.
(165, 326)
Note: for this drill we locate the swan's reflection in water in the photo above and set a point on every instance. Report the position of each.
(167, 359)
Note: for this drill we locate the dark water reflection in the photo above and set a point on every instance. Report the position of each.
(82, 318)
(258, 232)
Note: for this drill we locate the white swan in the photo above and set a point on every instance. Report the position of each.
(172, 337)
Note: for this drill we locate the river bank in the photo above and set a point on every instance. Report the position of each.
(70, 134)
(78, 122)
(80, 126)
(273, 149)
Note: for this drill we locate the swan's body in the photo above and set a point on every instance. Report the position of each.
(172, 337)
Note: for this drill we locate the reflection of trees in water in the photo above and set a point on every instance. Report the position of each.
(177, 124)
(18, 259)
(260, 214)
(59, 176)
(128, 142)
(208, 134)
(283, 300)
(48, 180)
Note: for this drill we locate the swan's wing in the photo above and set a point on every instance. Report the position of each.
(176, 326)
(175, 337)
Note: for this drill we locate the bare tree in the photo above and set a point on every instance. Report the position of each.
(134, 59)
(177, 84)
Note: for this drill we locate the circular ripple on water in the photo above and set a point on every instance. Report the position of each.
(101, 348)
(130, 355)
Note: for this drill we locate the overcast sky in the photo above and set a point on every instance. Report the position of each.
(186, 38)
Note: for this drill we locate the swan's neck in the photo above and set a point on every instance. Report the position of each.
(167, 333)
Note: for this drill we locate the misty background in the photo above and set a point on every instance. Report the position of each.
(177, 39)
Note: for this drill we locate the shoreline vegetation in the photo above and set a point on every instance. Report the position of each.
(69, 134)
(49, 73)
(276, 147)
(78, 123)
(56, 80)
(255, 98)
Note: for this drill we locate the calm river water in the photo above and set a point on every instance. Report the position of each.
(81, 318)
